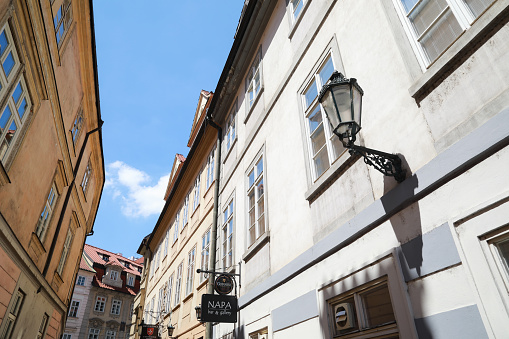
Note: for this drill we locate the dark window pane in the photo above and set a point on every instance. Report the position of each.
(3, 43)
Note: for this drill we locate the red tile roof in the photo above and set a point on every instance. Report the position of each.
(95, 254)
(86, 265)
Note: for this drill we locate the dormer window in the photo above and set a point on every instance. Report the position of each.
(114, 275)
(106, 257)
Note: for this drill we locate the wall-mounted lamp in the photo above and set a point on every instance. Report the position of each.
(170, 330)
(341, 98)
(198, 312)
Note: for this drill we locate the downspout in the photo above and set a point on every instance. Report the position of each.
(213, 231)
(66, 201)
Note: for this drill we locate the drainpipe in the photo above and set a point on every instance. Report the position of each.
(66, 201)
(213, 231)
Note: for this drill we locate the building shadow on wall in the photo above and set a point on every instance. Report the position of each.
(407, 227)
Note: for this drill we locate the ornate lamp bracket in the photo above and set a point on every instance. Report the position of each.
(388, 164)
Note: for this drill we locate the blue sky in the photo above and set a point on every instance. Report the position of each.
(154, 58)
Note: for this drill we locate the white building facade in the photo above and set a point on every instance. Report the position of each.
(327, 246)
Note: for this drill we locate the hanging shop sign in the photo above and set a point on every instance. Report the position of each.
(218, 308)
(149, 332)
(223, 284)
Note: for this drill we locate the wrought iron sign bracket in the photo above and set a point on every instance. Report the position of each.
(386, 163)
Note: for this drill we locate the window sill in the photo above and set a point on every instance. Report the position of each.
(209, 188)
(203, 283)
(187, 297)
(175, 307)
(258, 244)
(229, 151)
(251, 109)
(328, 177)
(194, 211)
(298, 20)
(464, 47)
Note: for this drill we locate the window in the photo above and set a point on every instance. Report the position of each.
(210, 168)
(160, 303)
(166, 240)
(363, 309)
(227, 236)
(178, 282)
(80, 281)
(176, 228)
(76, 126)
(111, 334)
(185, 210)
(230, 135)
(42, 326)
(115, 306)
(66, 336)
(168, 294)
(152, 314)
(13, 89)
(295, 7)
(44, 219)
(130, 280)
(100, 302)
(205, 252)
(190, 271)
(324, 146)
(256, 202)
(262, 334)
(196, 196)
(434, 25)
(65, 251)
(12, 314)
(254, 79)
(86, 178)
(93, 333)
(62, 20)
(73, 310)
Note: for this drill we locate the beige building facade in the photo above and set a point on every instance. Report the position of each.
(51, 159)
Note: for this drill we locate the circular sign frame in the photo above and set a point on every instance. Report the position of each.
(223, 284)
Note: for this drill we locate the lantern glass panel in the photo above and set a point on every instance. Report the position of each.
(357, 105)
(343, 105)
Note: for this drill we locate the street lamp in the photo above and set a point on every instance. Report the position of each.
(198, 312)
(170, 329)
(341, 98)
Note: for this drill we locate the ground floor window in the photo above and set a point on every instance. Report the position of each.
(365, 312)
(93, 333)
(261, 334)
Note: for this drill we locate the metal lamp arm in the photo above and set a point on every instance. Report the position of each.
(388, 164)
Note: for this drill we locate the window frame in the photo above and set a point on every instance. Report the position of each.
(65, 250)
(227, 238)
(254, 69)
(43, 326)
(50, 203)
(63, 22)
(459, 9)
(169, 287)
(332, 145)
(101, 302)
(257, 179)
(210, 169)
(131, 280)
(93, 333)
(81, 280)
(185, 211)
(230, 131)
(178, 284)
(116, 305)
(196, 192)
(12, 313)
(110, 334)
(205, 254)
(190, 271)
(176, 228)
(87, 176)
(76, 127)
(73, 309)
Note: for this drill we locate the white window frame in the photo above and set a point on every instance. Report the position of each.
(73, 309)
(93, 333)
(116, 306)
(190, 271)
(160, 303)
(81, 280)
(45, 217)
(230, 135)
(42, 327)
(12, 85)
(295, 9)
(113, 275)
(66, 336)
(166, 241)
(110, 334)
(178, 283)
(210, 168)
(65, 251)
(176, 228)
(259, 225)
(196, 192)
(76, 127)
(459, 9)
(332, 147)
(205, 254)
(168, 293)
(86, 178)
(130, 280)
(185, 211)
(11, 315)
(254, 80)
(227, 235)
(100, 304)
(62, 21)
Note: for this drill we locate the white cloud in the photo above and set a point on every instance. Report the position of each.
(133, 189)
